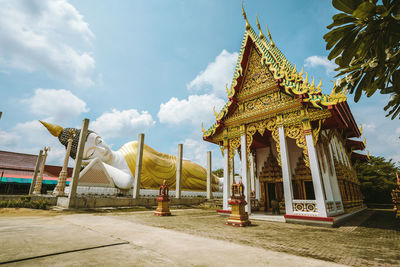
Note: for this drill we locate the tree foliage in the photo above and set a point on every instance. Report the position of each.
(377, 179)
(364, 41)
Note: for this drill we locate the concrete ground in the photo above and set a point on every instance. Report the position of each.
(189, 238)
(104, 240)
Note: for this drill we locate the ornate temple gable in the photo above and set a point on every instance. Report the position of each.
(257, 78)
(262, 70)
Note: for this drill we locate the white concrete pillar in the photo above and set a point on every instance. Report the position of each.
(226, 185)
(335, 185)
(325, 173)
(316, 176)
(252, 172)
(179, 172)
(326, 177)
(138, 167)
(209, 189)
(78, 163)
(35, 173)
(286, 173)
(245, 178)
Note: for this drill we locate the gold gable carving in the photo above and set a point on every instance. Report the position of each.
(257, 77)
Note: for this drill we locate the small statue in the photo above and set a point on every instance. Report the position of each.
(163, 201)
(239, 216)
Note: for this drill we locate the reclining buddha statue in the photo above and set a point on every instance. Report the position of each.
(156, 166)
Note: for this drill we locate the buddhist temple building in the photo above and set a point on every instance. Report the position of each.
(296, 144)
(16, 172)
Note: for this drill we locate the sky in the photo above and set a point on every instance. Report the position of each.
(154, 67)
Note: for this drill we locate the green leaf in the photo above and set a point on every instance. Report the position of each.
(396, 12)
(347, 6)
(396, 79)
(346, 41)
(364, 10)
(340, 19)
(387, 90)
(357, 95)
(335, 35)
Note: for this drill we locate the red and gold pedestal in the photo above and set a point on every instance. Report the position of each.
(163, 201)
(239, 216)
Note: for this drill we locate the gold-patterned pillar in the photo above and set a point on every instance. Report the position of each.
(39, 181)
(62, 178)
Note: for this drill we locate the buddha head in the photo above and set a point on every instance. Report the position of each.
(95, 147)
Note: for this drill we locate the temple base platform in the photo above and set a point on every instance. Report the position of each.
(333, 221)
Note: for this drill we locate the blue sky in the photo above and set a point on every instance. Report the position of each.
(157, 67)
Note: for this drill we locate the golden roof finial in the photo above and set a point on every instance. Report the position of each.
(365, 141)
(270, 38)
(245, 18)
(368, 155)
(226, 88)
(54, 129)
(202, 128)
(261, 35)
(361, 128)
(215, 112)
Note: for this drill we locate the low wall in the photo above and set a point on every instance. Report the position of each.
(52, 200)
(89, 202)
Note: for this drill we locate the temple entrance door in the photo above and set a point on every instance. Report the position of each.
(309, 190)
(270, 189)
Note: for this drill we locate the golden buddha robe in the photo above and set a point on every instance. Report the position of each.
(157, 167)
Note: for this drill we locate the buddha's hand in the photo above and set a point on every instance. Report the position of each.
(86, 162)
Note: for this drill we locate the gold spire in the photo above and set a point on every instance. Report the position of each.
(54, 129)
(270, 38)
(245, 18)
(259, 28)
(215, 112)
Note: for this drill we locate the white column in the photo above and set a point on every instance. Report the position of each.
(335, 185)
(316, 176)
(78, 163)
(245, 178)
(226, 185)
(326, 176)
(286, 172)
(209, 189)
(252, 176)
(178, 184)
(138, 167)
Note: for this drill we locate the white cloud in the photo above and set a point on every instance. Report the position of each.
(318, 61)
(8, 139)
(196, 150)
(196, 109)
(56, 105)
(217, 74)
(46, 35)
(29, 137)
(122, 123)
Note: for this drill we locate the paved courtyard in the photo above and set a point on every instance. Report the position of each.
(192, 237)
